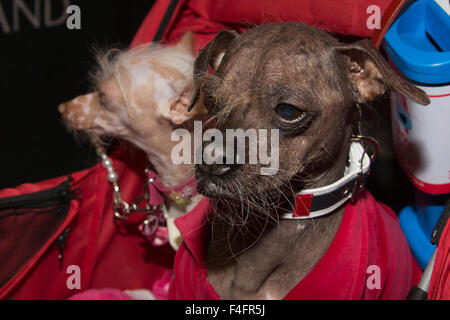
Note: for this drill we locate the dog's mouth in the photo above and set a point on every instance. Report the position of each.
(233, 183)
(81, 129)
(235, 195)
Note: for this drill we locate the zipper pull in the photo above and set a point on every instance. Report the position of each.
(61, 241)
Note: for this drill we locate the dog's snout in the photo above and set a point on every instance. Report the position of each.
(214, 164)
(217, 156)
(214, 169)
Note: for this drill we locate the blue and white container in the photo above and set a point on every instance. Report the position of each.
(418, 44)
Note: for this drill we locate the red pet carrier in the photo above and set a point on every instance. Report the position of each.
(68, 221)
(49, 228)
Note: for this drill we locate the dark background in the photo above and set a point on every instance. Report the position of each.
(42, 67)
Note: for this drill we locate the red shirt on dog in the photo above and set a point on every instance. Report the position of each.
(368, 244)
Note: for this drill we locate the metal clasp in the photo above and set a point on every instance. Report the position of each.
(359, 185)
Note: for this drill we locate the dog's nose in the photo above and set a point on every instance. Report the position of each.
(214, 165)
(214, 169)
(62, 108)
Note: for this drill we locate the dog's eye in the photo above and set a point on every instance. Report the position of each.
(288, 113)
(210, 103)
(209, 99)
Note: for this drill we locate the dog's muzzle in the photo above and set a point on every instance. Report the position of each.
(218, 165)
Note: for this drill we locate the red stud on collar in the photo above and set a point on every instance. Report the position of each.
(302, 206)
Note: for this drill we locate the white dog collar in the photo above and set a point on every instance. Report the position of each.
(312, 203)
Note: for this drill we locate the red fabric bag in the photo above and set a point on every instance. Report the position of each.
(440, 278)
(207, 17)
(107, 257)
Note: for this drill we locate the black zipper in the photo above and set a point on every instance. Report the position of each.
(45, 201)
(41, 199)
(61, 243)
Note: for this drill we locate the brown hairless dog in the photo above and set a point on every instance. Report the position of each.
(303, 82)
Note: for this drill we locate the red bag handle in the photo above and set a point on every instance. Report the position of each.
(389, 17)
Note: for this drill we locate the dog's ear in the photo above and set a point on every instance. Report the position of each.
(210, 56)
(372, 76)
(178, 112)
(187, 42)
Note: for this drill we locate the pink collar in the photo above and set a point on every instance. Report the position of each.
(181, 193)
(154, 227)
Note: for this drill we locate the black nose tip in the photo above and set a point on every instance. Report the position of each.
(214, 169)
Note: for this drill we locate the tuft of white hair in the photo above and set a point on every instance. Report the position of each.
(109, 62)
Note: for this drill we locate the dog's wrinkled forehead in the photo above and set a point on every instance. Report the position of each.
(294, 57)
(281, 60)
(261, 44)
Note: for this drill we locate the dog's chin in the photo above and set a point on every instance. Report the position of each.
(217, 186)
(209, 186)
(84, 131)
(209, 189)
(87, 135)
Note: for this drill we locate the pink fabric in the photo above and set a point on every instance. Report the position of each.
(160, 289)
(369, 235)
(101, 294)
